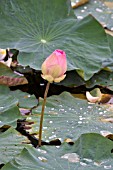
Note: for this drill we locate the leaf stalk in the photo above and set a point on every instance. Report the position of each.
(42, 114)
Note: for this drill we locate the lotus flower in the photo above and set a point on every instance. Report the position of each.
(54, 67)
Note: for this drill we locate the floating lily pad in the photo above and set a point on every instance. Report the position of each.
(90, 151)
(72, 79)
(10, 145)
(9, 112)
(6, 71)
(99, 9)
(66, 116)
(103, 78)
(25, 100)
(110, 39)
(40, 27)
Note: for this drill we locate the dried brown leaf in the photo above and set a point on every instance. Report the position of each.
(110, 136)
(11, 81)
(109, 120)
(106, 98)
(24, 111)
(109, 4)
(109, 32)
(91, 98)
(80, 3)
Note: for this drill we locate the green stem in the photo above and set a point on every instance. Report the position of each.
(42, 114)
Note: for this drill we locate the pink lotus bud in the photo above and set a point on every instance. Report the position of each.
(54, 67)
(2, 54)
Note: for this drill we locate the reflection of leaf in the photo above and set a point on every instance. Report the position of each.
(90, 151)
(84, 40)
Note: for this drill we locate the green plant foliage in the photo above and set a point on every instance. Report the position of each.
(9, 112)
(72, 79)
(10, 145)
(103, 78)
(25, 100)
(32, 30)
(37, 28)
(90, 151)
(69, 117)
(6, 71)
(110, 39)
(98, 9)
(110, 64)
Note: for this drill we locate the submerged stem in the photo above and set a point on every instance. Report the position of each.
(42, 113)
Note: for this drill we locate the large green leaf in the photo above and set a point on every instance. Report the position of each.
(25, 100)
(72, 79)
(110, 39)
(90, 151)
(66, 116)
(103, 78)
(6, 71)
(10, 145)
(36, 28)
(9, 112)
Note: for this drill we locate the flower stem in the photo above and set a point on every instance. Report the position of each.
(42, 114)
